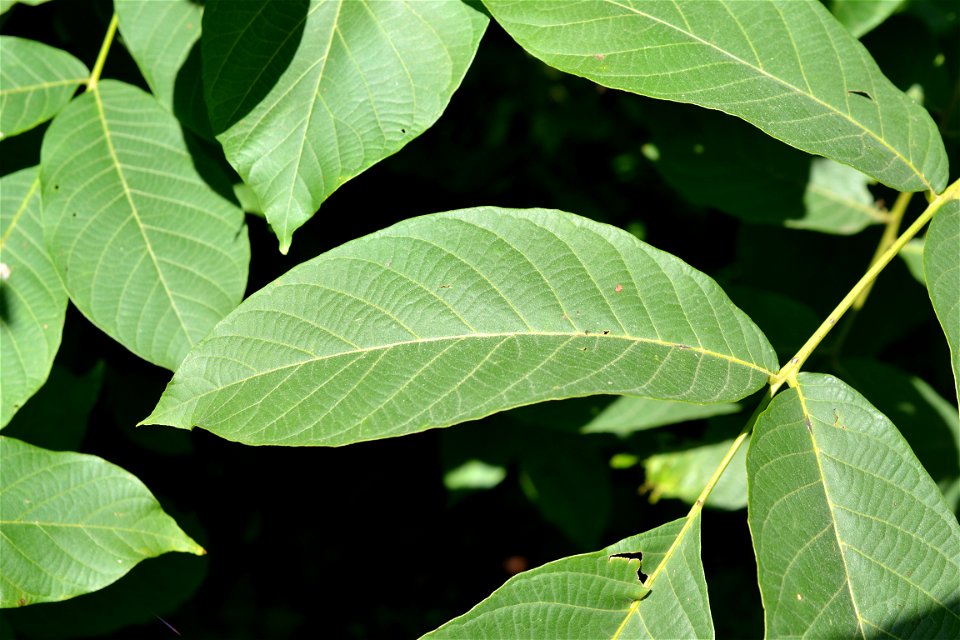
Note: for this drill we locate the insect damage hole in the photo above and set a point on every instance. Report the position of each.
(862, 94)
(633, 555)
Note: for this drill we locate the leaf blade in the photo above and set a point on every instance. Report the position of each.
(455, 316)
(941, 268)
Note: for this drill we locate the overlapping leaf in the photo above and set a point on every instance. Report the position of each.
(862, 16)
(36, 82)
(450, 317)
(941, 267)
(33, 303)
(73, 523)
(683, 474)
(628, 414)
(306, 95)
(148, 250)
(598, 595)
(786, 66)
(852, 537)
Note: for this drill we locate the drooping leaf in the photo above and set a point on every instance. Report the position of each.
(73, 523)
(628, 414)
(305, 95)
(861, 16)
(598, 595)
(787, 67)
(941, 267)
(148, 250)
(852, 536)
(454, 316)
(36, 82)
(33, 303)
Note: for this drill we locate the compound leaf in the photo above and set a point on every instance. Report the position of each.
(786, 66)
(33, 303)
(941, 267)
(305, 95)
(36, 82)
(598, 595)
(852, 536)
(454, 316)
(148, 251)
(73, 523)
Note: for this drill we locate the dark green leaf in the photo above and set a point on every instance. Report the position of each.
(941, 266)
(861, 16)
(627, 414)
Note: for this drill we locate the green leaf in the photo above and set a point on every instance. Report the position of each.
(5, 5)
(861, 16)
(454, 316)
(786, 66)
(73, 523)
(912, 255)
(852, 536)
(598, 595)
(628, 414)
(148, 251)
(306, 95)
(36, 82)
(941, 266)
(683, 474)
(33, 303)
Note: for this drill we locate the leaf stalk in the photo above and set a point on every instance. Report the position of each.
(102, 56)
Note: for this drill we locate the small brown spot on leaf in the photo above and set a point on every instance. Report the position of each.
(618, 288)
(22, 602)
(599, 56)
(682, 346)
(445, 286)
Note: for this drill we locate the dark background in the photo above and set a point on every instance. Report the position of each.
(365, 541)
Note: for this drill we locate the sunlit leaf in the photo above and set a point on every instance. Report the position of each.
(861, 16)
(786, 66)
(147, 249)
(683, 474)
(451, 317)
(36, 82)
(912, 254)
(598, 595)
(305, 95)
(73, 523)
(32, 300)
(628, 414)
(852, 536)
(941, 266)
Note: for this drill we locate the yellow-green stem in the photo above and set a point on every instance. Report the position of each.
(102, 56)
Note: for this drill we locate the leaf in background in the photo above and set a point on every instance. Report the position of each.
(628, 414)
(785, 321)
(598, 595)
(787, 67)
(148, 250)
(73, 523)
(454, 316)
(5, 5)
(912, 255)
(717, 161)
(36, 82)
(852, 536)
(941, 266)
(33, 303)
(306, 95)
(861, 16)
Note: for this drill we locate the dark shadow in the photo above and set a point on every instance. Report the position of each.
(240, 71)
(935, 622)
(189, 105)
(4, 305)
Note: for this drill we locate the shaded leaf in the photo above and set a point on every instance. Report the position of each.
(306, 95)
(912, 254)
(628, 414)
(851, 534)
(148, 251)
(598, 595)
(683, 474)
(941, 267)
(454, 316)
(73, 523)
(861, 16)
(5, 5)
(36, 82)
(787, 67)
(33, 303)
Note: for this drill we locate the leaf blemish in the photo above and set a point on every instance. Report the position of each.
(618, 288)
(633, 555)
(605, 332)
(862, 94)
(599, 56)
(808, 423)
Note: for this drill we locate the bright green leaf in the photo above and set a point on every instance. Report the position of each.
(147, 249)
(598, 595)
(32, 300)
(941, 266)
(683, 474)
(451, 317)
(786, 66)
(628, 414)
(852, 537)
(861, 16)
(912, 254)
(36, 82)
(474, 474)
(73, 523)
(306, 95)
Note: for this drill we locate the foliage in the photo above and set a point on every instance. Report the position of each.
(736, 164)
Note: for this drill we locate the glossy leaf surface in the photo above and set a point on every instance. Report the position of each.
(454, 316)
(306, 95)
(597, 595)
(148, 250)
(852, 536)
(787, 67)
(73, 523)
(33, 303)
(941, 267)
(36, 82)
